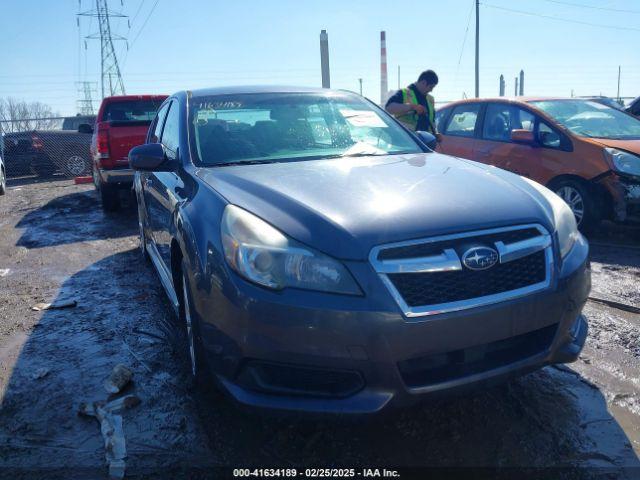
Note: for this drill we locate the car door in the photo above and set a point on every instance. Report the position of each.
(162, 188)
(494, 147)
(540, 160)
(150, 207)
(459, 132)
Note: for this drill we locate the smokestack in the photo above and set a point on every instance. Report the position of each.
(324, 59)
(521, 83)
(515, 90)
(384, 87)
(502, 85)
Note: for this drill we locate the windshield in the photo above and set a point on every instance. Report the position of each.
(591, 119)
(132, 110)
(270, 127)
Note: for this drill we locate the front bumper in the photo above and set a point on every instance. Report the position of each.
(369, 341)
(119, 176)
(625, 196)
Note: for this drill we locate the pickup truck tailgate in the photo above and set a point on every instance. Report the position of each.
(123, 136)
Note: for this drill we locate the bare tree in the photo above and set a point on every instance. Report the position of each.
(19, 116)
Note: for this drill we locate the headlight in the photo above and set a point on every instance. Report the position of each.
(262, 254)
(563, 218)
(623, 162)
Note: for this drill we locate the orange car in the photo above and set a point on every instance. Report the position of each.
(588, 153)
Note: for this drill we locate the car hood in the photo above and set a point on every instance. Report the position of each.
(345, 207)
(628, 145)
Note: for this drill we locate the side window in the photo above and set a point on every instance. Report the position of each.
(547, 136)
(501, 119)
(158, 123)
(171, 132)
(462, 122)
(441, 115)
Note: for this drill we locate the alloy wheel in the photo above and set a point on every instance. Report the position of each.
(574, 199)
(76, 165)
(189, 324)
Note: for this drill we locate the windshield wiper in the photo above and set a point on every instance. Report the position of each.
(375, 154)
(242, 162)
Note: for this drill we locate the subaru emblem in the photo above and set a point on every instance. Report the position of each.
(480, 258)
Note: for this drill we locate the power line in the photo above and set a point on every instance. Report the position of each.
(464, 40)
(137, 12)
(581, 5)
(145, 22)
(567, 20)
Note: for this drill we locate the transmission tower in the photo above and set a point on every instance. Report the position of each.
(85, 103)
(112, 83)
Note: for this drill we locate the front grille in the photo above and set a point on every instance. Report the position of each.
(431, 276)
(431, 248)
(442, 367)
(441, 287)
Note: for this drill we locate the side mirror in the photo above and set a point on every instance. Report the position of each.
(522, 136)
(85, 128)
(428, 139)
(150, 157)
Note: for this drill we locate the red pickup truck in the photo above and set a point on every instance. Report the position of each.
(121, 124)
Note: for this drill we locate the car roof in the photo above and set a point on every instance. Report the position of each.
(240, 89)
(521, 100)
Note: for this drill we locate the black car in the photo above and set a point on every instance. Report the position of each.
(46, 152)
(634, 108)
(323, 258)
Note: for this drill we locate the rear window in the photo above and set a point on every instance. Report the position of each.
(131, 111)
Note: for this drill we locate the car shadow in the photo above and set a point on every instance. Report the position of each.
(72, 218)
(120, 316)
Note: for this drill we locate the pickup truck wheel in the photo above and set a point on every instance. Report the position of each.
(110, 198)
(76, 165)
(580, 201)
(3, 182)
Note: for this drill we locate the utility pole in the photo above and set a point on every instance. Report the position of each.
(360, 80)
(477, 48)
(324, 59)
(384, 86)
(521, 83)
(619, 70)
(85, 103)
(111, 78)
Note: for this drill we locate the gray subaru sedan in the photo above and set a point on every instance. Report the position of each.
(322, 258)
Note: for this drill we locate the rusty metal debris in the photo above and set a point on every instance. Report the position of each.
(119, 378)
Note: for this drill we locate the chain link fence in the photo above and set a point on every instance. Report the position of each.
(47, 148)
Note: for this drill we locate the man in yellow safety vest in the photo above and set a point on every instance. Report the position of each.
(414, 106)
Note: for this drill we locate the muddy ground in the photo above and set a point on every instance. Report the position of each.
(56, 244)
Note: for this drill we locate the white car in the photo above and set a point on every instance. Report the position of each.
(3, 178)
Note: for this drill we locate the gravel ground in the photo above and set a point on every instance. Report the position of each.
(56, 244)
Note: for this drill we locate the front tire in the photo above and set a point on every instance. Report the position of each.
(3, 182)
(191, 347)
(581, 202)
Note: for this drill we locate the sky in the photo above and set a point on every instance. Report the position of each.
(562, 46)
